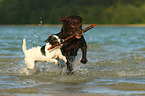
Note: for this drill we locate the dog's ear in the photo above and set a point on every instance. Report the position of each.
(48, 39)
(62, 19)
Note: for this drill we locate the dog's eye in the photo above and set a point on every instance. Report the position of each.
(61, 40)
(72, 26)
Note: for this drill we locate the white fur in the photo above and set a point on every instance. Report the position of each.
(35, 54)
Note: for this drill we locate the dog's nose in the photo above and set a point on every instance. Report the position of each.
(62, 40)
(79, 34)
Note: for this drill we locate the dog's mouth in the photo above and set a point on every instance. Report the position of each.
(60, 44)
(78, 36)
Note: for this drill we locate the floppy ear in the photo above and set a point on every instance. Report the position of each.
(48, 39)
(62, 19)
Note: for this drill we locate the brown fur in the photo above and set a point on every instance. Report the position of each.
(73, 25)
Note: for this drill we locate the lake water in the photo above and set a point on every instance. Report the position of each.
(116, 63)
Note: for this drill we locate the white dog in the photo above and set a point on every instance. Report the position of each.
(42, 53)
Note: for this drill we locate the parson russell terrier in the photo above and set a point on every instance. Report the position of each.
(42, 53)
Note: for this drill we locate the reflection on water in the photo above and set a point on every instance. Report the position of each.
(116, 63)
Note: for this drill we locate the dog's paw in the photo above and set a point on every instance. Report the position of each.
(27, 73)
(69, 72)
(56, 63)
(84, 61)
(65, 60)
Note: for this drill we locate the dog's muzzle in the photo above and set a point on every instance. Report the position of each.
(61, 43)
(79, 34)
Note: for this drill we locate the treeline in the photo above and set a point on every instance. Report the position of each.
(92, 11)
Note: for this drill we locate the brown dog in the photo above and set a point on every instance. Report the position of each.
(72, 25)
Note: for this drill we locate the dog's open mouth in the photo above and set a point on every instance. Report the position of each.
(78, 36)
(61, 45)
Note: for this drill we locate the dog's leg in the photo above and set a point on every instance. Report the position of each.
(26, 71)
(34, 70)
(56, 62)
(52, 60)
(69, 64)
(62, 57)
(84, 52)
(30, 65)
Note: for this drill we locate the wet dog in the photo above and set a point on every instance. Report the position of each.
(42, 53)
(72, 25)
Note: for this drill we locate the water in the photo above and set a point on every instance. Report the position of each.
(116, 63)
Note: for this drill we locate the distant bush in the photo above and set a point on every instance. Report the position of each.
(94, 11)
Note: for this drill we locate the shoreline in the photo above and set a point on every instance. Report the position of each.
(84, 25)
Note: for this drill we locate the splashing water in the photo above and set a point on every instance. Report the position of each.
(116, 63)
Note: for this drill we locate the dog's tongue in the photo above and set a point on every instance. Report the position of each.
(78, 37)
(61, 45)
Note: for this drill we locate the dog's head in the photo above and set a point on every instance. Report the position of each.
(54, 39)
(72, 25)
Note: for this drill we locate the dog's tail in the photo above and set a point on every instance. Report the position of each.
(24, 45)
